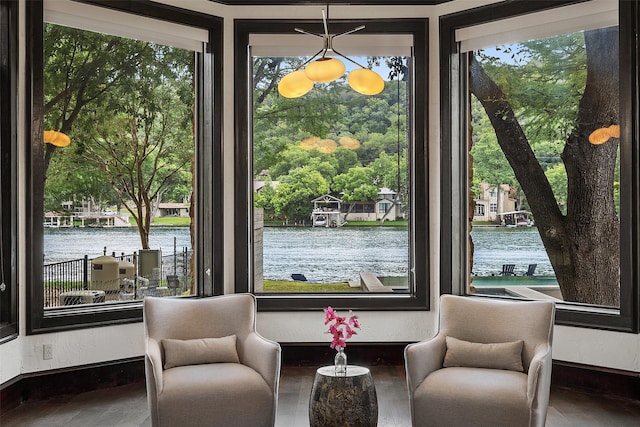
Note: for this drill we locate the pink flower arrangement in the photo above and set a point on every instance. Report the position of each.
(341, 328)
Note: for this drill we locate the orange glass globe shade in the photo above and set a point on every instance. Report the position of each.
(56, 138)
(325, 70)
(365, 81)
(294, 85)
(602, 135)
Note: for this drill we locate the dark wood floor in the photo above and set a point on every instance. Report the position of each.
(126, 406)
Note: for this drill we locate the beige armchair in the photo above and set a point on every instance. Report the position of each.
(489, 365)
(206, 365)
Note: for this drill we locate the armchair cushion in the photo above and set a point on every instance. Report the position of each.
(472, 397)
(505, 355)
(199, 351)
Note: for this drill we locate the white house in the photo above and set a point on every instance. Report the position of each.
(490, 203)
(385, 206)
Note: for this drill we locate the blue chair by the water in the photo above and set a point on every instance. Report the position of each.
(507, 270)
(299, 277)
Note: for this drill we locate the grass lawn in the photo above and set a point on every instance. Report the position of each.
(293, 286)
(172, 220)
(166, 220)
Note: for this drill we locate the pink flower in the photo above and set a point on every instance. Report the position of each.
(329, 315)
(341, 328)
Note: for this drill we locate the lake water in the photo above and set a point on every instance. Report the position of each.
(63, 244)
(323, 254)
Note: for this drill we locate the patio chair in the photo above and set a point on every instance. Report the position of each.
(488, 365)
(206, 365)
(507, 270)
(531, 270)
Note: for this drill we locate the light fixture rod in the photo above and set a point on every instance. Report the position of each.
(328, 41)
(324, 22)
(361, 27)
(348, 59)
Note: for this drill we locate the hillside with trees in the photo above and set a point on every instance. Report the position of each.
(332, 140)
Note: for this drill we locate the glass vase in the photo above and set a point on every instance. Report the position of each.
(340, 362)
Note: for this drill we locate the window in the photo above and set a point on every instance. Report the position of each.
(551, 51)
(263, 152)
(118, 116)
(8, 126)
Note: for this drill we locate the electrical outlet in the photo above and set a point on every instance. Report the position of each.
(47, 351)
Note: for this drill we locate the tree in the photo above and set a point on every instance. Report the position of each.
(143, 150)
(583, 245)
(386, 171)
(263, 199)
(293, 196)
(80, 68)
(128, 106)
(355, 186)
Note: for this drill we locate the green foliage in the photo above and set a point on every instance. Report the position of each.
(386, 170)
(292, 199)
(557, 176)
(548, 153)
(356, 185)
(543, 81)
(489, 163)
(262, 199)
(128, 107)
(330, 111)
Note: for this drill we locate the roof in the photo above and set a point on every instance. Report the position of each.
(327, 198)
(170, 205)
(515, 212)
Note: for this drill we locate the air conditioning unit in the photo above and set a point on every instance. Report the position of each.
(81, 297)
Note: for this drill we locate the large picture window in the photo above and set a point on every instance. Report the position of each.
(118, 184)
(545, 146)
(331, 175)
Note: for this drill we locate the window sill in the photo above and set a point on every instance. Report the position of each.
(307, 302)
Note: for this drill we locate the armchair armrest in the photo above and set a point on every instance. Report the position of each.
(539, 375)
(153, 357)
(263, 356)
(423, 358)
(153, 377)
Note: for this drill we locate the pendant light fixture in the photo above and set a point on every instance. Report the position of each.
(326, 69)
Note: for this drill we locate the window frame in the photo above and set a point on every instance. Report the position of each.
(454, 162)
(8, 139)
(208, 153)
(419, 173)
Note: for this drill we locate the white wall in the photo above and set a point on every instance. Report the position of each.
(87, 346)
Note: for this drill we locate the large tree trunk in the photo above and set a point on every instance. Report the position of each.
(583, 246)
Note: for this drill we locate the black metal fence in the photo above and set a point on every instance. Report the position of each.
(70, 282)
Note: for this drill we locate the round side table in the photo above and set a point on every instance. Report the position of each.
(343, 400)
